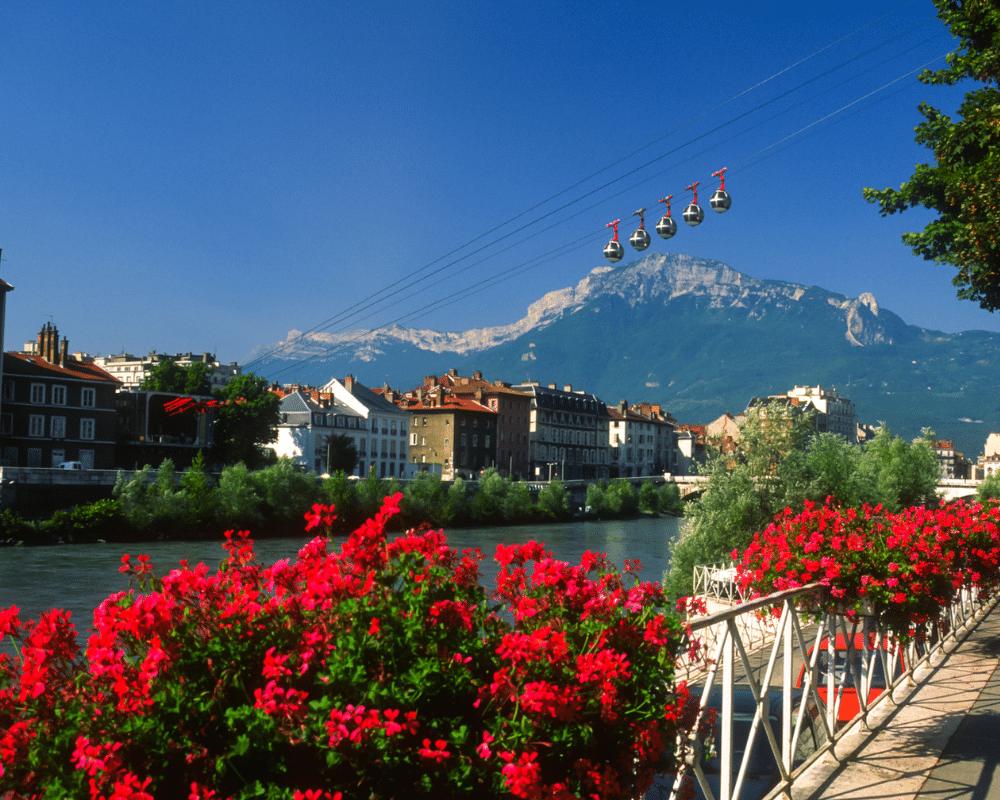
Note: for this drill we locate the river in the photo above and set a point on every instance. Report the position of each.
(79, 577)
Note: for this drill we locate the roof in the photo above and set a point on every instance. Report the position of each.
(36, 366)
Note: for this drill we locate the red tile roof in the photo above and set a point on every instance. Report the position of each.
(29, 364)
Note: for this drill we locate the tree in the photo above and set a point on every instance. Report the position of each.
(964, 185)
(169, 376)
(341, 453)
(246, 420)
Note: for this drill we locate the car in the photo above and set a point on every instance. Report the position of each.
(850, 705)
(71, 465)
(762, 767)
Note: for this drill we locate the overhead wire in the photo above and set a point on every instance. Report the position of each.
(384, 295)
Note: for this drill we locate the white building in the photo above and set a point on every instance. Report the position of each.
(834, 414)
(308, 421)
(384, 448)
(132, 370)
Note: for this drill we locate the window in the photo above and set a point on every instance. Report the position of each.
(486, 443)
(8, 390)
(463, 440)
(38, 393)
(86, 429)
(413, 438)
(58, 428)
(58, 456)
(58, 395)
(423, 440)
(7, 424)
(36, 426)
(475, 440)
(34, 456)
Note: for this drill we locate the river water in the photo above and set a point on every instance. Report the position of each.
(78, 577)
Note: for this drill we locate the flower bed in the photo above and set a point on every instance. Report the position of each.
(901, 568)
(381, 670)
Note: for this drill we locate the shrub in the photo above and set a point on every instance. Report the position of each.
(380, 670)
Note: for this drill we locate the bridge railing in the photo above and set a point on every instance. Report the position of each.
(786, 692)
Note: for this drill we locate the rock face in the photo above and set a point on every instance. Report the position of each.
(656, 279)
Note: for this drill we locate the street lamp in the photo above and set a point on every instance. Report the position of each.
(551, 464)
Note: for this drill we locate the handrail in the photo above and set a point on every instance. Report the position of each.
(806, 674)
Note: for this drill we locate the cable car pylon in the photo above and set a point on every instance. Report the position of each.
(667, 226)
(640, 239)
(613, 250)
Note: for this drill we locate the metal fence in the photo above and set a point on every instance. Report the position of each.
(786, 684)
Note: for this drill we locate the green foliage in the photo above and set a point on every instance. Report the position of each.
(237, 499)
(554, 501)
(649, 499)
(341, 453)
(424, 500)
(13, 527)
(284, 491)
(963, 185)
(341, 492)
(457, 503)
(903, 474)
(84, 523)
(198, 489)
(989, 489)
(371, 493)
(488, 502)
(669, 498)
(778, 466)
(169, 376)
(247, 420)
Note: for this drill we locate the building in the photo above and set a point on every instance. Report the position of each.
(383, 443)
(834, 414)
(691, 451)
(952, 463)
(147, 431)
(456, 431)
(309, 418)
(56, 408)
(513, 410)
(570, 433)
(642, 441)
(131, 371)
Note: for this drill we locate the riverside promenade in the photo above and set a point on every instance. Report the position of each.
(938, 740)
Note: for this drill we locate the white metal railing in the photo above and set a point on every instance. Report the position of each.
(815, 669)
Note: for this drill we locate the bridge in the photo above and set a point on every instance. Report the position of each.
(930, 734)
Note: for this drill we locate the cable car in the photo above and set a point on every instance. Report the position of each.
(694, 214)
(720, 201)
(640, 239)
(667, 226)
(613, 250)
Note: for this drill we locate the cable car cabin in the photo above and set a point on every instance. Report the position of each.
(666, 227)
(720, 201)
(639, 240)
(694, 215)
(613, 251)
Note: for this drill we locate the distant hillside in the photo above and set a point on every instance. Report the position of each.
(700, 338)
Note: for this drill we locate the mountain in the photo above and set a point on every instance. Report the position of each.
(698, 337)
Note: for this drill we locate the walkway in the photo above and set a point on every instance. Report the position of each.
(943, 743)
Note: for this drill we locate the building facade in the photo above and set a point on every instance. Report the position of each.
(383, 444)
(454, 431)
(131, 371)
(569, 436)
(309, 418)
(56, 408)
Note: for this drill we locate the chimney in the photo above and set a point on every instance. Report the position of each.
(430, 381)
(477, 375)
(568, 387)
(64, 352)
(552, 386)
(622, 407)
(453, 372)
(40, 350)
(349, 383)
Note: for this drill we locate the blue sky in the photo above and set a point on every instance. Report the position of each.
(208, 176)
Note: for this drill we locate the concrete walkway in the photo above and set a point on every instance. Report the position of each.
(939, 740)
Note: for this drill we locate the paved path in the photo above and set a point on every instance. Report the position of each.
(943, 743)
